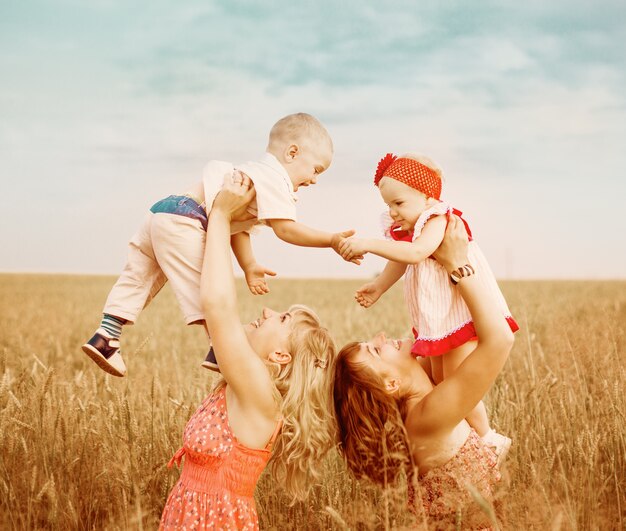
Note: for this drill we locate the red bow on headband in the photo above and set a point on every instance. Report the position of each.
(384, 163)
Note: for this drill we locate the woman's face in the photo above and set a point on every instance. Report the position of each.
(393, 362)
(386, 357)
(270, 332)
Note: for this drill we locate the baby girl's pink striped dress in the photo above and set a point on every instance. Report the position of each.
(440, 318)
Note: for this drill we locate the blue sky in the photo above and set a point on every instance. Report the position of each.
(106, 106)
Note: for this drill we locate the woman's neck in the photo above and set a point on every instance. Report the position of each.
(418, 382)
(419, 385)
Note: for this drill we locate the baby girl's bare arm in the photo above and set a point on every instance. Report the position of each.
(370, 292)
(391, 274)
(403, 252)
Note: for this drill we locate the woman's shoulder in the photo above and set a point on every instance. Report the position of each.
(251, 428)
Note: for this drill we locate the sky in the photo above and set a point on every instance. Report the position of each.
(107, 106)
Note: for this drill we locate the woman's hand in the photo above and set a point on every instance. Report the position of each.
(452, 253)
(236, 194)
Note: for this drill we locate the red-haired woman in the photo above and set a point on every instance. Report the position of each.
(393, 419)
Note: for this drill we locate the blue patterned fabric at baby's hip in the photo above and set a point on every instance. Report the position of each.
(181, 205)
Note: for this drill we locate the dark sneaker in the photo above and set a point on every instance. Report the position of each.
(105, 351)
(210, 362)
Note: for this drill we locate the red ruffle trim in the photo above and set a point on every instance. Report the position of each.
(425, 348)
(400, 235)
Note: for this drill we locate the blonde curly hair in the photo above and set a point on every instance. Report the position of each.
(304, 396)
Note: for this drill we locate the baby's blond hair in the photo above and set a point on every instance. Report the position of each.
(298, 128)
(304, 394)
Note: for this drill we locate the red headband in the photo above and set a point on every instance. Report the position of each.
(410, 172)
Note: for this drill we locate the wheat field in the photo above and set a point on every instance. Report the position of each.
(83, 450)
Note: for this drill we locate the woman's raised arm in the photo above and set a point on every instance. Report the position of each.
(241, 367)
(462, 390)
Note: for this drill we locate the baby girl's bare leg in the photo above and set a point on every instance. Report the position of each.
(477, 418)
(436, 368)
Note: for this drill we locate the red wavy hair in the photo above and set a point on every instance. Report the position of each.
(373, 439)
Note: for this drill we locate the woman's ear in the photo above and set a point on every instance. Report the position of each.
(280, 357)
(392, 385)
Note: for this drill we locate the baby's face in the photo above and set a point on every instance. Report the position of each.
(310, 161)
(405, 203)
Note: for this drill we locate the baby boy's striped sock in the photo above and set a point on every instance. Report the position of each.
(112, 325)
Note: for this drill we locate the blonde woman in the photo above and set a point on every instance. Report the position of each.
(271, 406)
(393, 419)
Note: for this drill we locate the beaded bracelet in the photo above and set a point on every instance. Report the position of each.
(462, 272)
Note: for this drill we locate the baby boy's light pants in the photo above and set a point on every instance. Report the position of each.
(169, 245)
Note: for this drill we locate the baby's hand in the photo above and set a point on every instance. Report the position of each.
(255, 277)
(351, 248)
(368, 294)
(337, 241)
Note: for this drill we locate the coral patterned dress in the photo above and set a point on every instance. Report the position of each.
(440, 318)
(450, 492)
(216, 485)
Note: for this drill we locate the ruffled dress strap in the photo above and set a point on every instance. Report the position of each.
(440, 208)
(270, 443)
(391, 230)
(385, 224)
(458, 213)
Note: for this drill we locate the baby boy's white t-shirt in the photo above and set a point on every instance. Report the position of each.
(275, 196)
